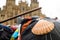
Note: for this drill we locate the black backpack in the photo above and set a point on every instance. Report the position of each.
(5, 32)
(53, 35)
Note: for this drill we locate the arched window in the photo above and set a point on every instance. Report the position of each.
(22, 8)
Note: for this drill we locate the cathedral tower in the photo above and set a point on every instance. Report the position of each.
(35, 1)
(34, 4)
(10, 2)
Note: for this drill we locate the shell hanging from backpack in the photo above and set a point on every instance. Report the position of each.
(42, 27)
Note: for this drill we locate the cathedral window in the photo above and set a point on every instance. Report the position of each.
(15, 21)
(2, 15)
(35, 0)
(30, 14)
(34, 14)
(22, 8)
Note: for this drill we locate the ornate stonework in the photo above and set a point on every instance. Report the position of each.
(11, 9)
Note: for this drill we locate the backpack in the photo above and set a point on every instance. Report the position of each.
(53, 35)
(5, 32)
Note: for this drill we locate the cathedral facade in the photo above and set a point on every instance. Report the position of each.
(11, 9)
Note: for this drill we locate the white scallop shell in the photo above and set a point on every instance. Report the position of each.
(42, 27)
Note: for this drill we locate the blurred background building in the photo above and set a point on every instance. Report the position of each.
(11, 9)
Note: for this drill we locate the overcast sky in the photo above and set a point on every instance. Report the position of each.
(50, 8)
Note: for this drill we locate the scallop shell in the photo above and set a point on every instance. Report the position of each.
(42, 27)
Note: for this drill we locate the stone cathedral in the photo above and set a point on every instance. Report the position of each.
(11, 9)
